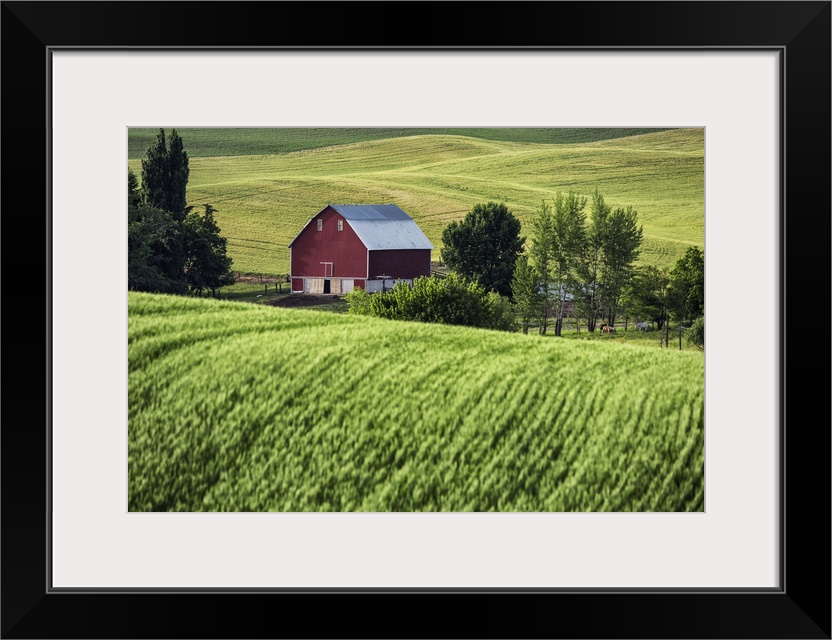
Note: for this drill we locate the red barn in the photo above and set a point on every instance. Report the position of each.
(369, 246)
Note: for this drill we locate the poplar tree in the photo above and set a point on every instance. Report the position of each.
(178, 173)
(542, 253)
(155, 176)
(621, 248)
(525, 288)
(569, 239)
(165, 174)
(170, 248)
(591, 267)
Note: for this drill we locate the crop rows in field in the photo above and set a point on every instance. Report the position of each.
(264, 200)
(244, 141)
(236, 407)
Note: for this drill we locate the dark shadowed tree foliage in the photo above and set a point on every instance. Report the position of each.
(151, 233)
(165, 175)
(687, 285)
(154, 172)
(484, 246)
(134, 195)
(171, 249)
(696, 333)
(179, 173)
(647, 295)
(207, 266)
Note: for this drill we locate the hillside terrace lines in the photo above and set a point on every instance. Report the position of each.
(471, 181)
(354, 156)
(365, 171)
(386, 154)
(214, 141)
(353, 161)
(657, 238)
(274, 198)
(438, 184)
(553, 168)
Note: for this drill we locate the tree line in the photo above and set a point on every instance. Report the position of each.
(577, 263)
(171, 247)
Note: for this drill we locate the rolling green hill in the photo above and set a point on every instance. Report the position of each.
(263, 200)
(245, 141)
(240, 407)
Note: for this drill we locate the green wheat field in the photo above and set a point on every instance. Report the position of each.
(240, 407)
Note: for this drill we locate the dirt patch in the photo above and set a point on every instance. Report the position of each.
(304, 300)
(252, 279)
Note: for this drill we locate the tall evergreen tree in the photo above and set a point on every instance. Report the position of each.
(165, 173)
(155, 174)
(178, 173)
(171, 249)
(168, 252)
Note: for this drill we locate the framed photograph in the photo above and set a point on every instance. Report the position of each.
(91, 551)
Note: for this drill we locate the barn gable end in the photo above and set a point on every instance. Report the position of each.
(328, 252)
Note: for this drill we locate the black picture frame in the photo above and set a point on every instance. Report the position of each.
(800, 608)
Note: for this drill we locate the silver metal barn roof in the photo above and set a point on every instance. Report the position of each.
(382, 227)
(370, 211)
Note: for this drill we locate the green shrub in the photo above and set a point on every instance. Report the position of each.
(450, 300)
(502, 313)
(696, 333)
(359, 302)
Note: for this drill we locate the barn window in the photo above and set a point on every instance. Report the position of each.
(340, 225)
(320, 224)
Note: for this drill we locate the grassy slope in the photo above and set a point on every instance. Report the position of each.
(236, 407)
(263, 200)
(243, 141)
